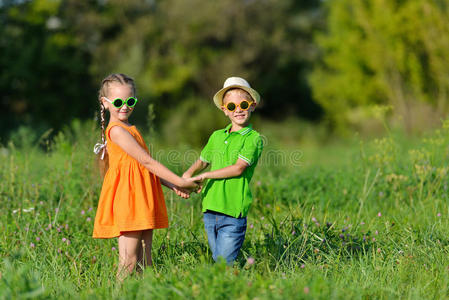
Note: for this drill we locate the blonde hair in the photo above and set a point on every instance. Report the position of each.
(242, 93)
(103, 91)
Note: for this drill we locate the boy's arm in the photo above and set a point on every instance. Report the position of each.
(227, 172)
(197, 166)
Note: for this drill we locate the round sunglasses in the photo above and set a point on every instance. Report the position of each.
(118, 103)
(244, 105)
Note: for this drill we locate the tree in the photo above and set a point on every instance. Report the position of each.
(381, 52)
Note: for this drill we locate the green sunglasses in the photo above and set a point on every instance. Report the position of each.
(118, 103)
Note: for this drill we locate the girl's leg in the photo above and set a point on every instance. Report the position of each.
(128, 247)
(147, 242)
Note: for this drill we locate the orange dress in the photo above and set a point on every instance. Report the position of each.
(131, 197)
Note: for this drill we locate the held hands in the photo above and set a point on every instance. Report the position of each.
(198, 179)
(188, 186)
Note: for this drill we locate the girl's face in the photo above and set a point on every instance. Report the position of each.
(122, 91)
(239, 116)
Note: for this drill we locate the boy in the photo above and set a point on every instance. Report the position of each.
(232, 153)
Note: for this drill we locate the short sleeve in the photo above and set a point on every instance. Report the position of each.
(251, 150)
(206, 153)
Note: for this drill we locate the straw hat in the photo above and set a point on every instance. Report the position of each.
(235, 82)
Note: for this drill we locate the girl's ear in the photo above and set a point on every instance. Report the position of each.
(103, 101)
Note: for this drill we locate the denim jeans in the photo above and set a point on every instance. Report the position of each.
(225, 235)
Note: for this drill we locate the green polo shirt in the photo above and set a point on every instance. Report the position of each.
(231, 196)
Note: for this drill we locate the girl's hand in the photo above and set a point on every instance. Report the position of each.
(183, 193)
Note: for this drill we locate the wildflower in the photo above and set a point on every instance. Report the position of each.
(41, 202)
(262, 218)
(374, 239)
(306, 290)
(88, 219)
(438, 214)
(38, 239)
(59, 250)
(32, 245)
(341, 236)
(362, 223)
(66, 226)
(259, 183)
(376, 232)
(56, 210)
(58, 229)
(379, 214)
(293, 232)
(113, 249)
(303, 266)
(83, 212)
(64, 239)
(68, 242)
(313, 219)
(28, 209)
(251, 226)
(90, 209)
(250, 261)
(378, 250)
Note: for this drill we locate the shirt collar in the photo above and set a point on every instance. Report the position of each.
(242, 131)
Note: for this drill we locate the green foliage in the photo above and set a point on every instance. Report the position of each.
(192, 122)
(44, 67)
(55, 53)
(383, 52)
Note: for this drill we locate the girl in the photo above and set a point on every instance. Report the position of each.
(131, 203)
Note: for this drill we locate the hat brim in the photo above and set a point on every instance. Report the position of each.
(218, 97)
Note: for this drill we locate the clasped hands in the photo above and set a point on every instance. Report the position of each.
(185, 192)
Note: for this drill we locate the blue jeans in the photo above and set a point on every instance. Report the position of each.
(225, 235)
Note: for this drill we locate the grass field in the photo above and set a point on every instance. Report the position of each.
(362, 220)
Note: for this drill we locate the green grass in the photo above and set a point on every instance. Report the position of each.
(363, 220)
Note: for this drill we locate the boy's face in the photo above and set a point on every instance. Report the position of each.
(238, 116)
(122, 91)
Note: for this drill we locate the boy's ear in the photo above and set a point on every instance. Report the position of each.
(223, 109)
(253, 106)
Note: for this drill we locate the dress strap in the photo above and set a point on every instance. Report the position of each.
(112, 124)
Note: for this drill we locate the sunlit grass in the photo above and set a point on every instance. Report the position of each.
(372, 226)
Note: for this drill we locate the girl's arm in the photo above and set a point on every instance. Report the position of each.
(128, 143)
(226, 172)
(197, 166)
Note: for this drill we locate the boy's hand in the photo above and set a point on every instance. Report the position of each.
(199, 179)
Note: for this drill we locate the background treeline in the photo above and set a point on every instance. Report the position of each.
(341, 63)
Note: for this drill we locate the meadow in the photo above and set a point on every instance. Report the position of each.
(355, 220)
